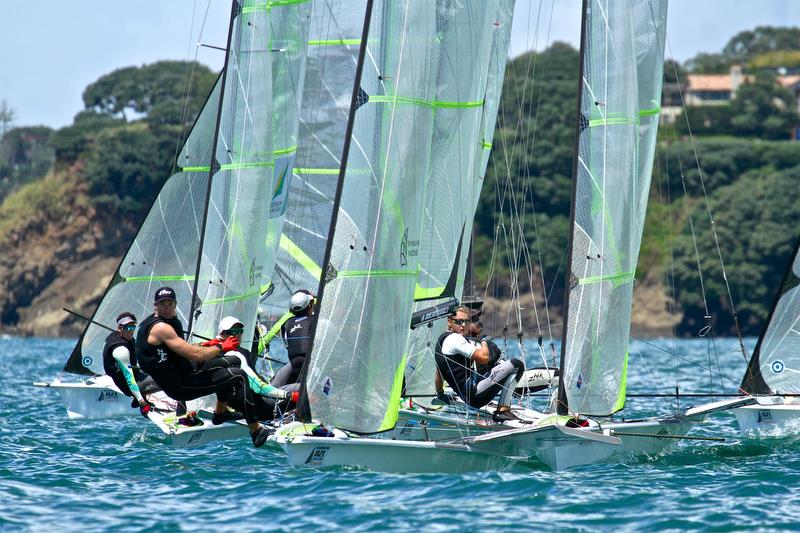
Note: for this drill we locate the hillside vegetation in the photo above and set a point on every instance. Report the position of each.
(73, 198)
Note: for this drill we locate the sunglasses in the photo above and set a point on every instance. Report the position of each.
(460, 321)
(130, 327)
(235, 331)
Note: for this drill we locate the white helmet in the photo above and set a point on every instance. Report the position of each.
(300, 300)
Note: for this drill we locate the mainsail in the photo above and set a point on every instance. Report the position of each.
(166, 247)
(775, 363)
(473, 49)
(248, 187)
(622, 62)
(358, 355)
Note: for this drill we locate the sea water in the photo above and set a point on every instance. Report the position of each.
(118, 474)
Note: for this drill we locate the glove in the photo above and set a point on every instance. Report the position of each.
(229, 344)
(145, 407)
(294, 397)
(211, 342)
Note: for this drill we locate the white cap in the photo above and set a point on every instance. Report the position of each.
(299, 301)
(228, 323)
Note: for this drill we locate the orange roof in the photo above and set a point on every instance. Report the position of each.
(709, 82)
(788, 81)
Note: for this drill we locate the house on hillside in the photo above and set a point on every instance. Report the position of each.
(713, 89)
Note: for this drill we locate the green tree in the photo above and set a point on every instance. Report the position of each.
(764, 109)
(747, 44)
(7, 117)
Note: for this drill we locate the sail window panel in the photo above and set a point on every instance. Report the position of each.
(779, 352)
(611, 189)
(369, 299)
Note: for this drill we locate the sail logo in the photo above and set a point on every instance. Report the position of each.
(107, 395)
(254, 273)
(777, 366)
(327, 386)
(317, 456)
(404, 249)
(281, 180)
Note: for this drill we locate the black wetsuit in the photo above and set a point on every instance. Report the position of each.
(474, 388)
(296, 335)
(113, 340)
(181, 380)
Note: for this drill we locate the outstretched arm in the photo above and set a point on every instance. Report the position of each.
(162, 333)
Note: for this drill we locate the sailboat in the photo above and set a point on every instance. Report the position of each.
(213, 229)
(770, 380)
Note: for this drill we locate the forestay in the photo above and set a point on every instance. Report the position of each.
(775, 364)
(473, 49)
(623, 49)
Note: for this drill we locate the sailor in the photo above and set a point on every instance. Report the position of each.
(186, 371)
(475, 334)
(296, 334)
(233, 327)
(118, 352)
(455, 355)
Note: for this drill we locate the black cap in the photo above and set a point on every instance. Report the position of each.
(164, 293)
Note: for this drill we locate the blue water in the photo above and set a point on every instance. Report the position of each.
(118, 474)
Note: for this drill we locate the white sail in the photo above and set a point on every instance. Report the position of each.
(473, 53)
(358, 357)
(775, 363)
(236, 265)
(622, 61)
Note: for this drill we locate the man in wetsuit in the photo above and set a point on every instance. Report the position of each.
(296, 333)
(233, 327)
(119, 363)
(186, 371)
(455, 356)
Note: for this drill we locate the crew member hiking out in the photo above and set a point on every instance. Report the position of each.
(120, 364)
(455, 355)
(186, 371)
(296, 333)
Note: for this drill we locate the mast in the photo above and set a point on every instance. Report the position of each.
(303, 408)
(214, 168)
(562, 407)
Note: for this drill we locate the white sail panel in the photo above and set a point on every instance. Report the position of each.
(623, 50)
(164, 251)
(259, 110)
(333, 44)
(473, 47)
(357, 362)
(775, 364)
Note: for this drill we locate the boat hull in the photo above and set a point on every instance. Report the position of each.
(769, 414)
(387, 455)
(92, 399)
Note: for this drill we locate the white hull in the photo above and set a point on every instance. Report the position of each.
(191, 436)
(769, 414)
(96, 397)
(385, 455)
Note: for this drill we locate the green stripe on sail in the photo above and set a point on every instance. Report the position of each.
(622, 387)
(375, 273)
(332, 171)
(421, 293)
(239, 166)
(300, 256)
(284, 151)
(486, 145)
(393, 409)
(195, 169)
(234, 298)
(158, 278)
(432, 104)
(266, 6)
(613, 121)
(650, 112)
(617, 279)
(334, 42)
